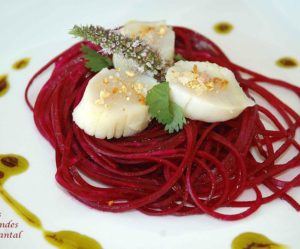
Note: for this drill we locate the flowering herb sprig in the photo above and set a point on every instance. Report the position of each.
(113, 42)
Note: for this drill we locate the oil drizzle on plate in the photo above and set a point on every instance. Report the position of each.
(69, 239)
(12, 164)
(4, 85)
(223, 28)
(20, 64)
(255, 241)
(287, 62)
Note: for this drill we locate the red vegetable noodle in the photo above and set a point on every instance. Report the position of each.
(194, 171)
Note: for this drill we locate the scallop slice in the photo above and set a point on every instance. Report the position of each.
(113, 104)
(158, 35)
(206, 91)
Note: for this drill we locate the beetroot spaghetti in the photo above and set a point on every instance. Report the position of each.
(197, 170)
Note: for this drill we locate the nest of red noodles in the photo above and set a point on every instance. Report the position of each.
(197, 170)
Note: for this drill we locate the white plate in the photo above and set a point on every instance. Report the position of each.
(264, 31)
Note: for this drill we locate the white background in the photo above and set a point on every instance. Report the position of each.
(263, 32)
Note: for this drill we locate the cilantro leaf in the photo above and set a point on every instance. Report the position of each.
(158, 100)
(95, 61)
(163, 109)
(178, 119)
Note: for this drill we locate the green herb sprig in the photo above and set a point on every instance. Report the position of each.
(163, 109)
(95, 61)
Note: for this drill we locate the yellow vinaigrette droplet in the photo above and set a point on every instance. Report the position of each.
(71, 240)
(223, 28)
(255, 241)
(20, 64)
(4, 85)
(287, 62)
(11, 164)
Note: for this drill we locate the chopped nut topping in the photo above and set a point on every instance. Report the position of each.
(130, 73)
(103, 95)
(141, 99)
(221, 83)
(200, 81)
(117, 84)
(209, 85)
(138, 87)
(105, 80)
(115, 90)
(162, 30)
(124, 89)
(145, 30)
(195, 69)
